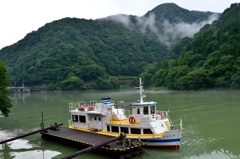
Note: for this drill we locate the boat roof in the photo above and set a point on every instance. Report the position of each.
(144, 104)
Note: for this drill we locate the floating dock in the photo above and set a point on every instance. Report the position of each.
(119, 149)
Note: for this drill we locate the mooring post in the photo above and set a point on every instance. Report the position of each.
(42, 124)
(31, 133)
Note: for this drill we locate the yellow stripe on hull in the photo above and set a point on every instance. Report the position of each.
(122, 122)
(132, 136)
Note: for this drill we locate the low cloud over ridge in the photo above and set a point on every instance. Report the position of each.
(170, 32)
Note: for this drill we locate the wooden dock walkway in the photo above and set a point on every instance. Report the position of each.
(81, 138)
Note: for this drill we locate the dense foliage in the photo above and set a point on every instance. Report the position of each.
(77, 51)
(73, 53)
(211, 60)
(5, 102)
(175, 14)
(166, 23)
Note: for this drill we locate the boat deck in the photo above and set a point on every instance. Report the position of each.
(88, 138)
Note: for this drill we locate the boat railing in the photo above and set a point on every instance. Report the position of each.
(83, 103)
(164, 115)
(127, 112)
(72, 106)
(175, 127)
(69, 122)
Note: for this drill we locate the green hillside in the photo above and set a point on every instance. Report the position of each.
(167, 23)
(73, 53)
(174, 14)
(79, 48)
(211, 60)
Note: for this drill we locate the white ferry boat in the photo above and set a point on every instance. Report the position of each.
(139, 120)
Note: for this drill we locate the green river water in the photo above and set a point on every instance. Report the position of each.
(211, 123)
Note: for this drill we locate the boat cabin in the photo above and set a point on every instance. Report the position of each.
(110, 117)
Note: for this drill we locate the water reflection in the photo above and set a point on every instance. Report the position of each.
(21, 148)
(209, 122)
(19, 96)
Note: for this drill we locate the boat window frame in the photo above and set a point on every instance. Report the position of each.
(146, 131)
(82, 119)
(152, 109)
(145, 110)
(122, 129)
(114, 128)
(133, 130)
(138, 110)
(75, 118)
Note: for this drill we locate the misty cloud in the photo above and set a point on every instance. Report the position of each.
(147, 23)
(182, 29)
(169, 33)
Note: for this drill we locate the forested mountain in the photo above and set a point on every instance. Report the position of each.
(70, 52)
(167, 23)
(79, 49)
(210, 60)
(175, 14)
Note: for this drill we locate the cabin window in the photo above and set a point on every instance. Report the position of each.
(99, 118)
(108, 128)
(138, 111)
(75, 118)
(135, 131)
(82, 119)
(145, 110)
(95, 118)
(115, 129)
(152, 108)
(147, 131)
(125, 130)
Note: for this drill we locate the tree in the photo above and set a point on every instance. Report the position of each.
(73, 83)
(195, 80)
(5, 101)
(102, 84)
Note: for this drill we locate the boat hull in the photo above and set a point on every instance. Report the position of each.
(170, 140)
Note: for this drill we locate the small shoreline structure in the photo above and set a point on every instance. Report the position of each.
(20, 89)
(1, 115)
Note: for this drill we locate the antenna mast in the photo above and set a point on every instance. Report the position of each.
(141, 90)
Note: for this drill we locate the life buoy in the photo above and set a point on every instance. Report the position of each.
(132, 119)
(160, 113)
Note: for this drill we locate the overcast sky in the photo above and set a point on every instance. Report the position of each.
(20, 17)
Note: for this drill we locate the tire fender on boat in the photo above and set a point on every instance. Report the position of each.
(132, 120)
